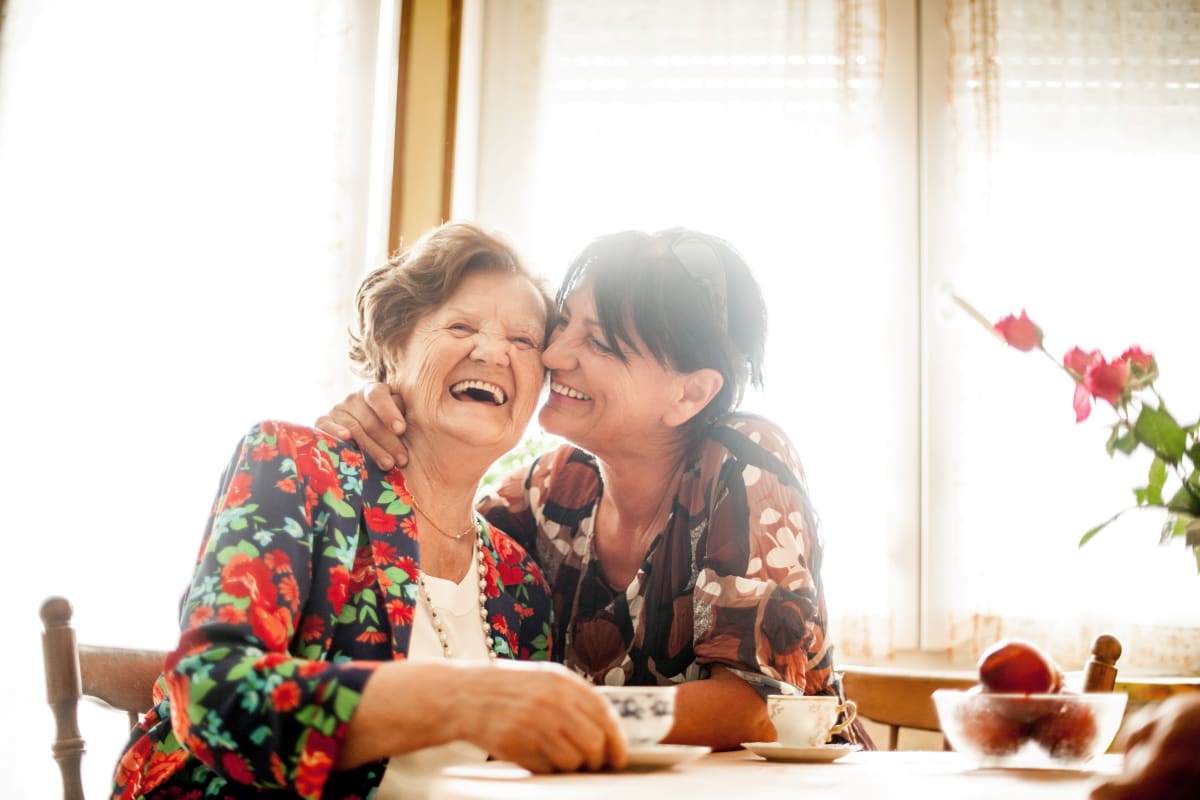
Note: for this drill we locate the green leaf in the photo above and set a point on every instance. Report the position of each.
(1126, 443)
(1087, 537)
(1158, 476)
(1184, 502)
(1192, 533)
(340, 506)
(1174, 526)
(345, 700)
(1157, 430)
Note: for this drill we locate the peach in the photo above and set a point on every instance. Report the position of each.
(1020, 667)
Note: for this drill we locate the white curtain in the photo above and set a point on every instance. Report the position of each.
(182, 216)
(768, 123)
(871, 160)
(1076, 162)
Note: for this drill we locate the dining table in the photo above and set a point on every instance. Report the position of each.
(930, 775)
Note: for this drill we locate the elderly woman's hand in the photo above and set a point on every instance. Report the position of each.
(1161, 755)
(373, 417)
(543, 717)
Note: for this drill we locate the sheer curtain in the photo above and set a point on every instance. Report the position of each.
(1073, 195)
(182, 217)
(774, 125)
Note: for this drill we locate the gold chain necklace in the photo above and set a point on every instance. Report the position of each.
(439, 528)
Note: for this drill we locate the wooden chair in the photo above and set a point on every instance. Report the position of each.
(899, 698)
(119, 678)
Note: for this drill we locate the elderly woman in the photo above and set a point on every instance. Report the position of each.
(343, 621)
(676, 533)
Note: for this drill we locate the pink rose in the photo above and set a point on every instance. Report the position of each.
(1078, 361)
(1106, 380)
(1082, 402)
(1136, 357)
(1020, 332)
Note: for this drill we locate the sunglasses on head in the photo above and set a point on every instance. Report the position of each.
(702, 263)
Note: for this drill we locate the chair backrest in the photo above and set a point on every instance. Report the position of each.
(119, 678)
(899, 698)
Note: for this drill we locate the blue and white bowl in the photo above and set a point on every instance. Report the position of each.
(646, 712)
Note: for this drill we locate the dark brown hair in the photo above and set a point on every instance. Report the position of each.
(392, 298)
(693, 307)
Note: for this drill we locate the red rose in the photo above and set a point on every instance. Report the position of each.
(237, 768)
(1020, 332)
(339, 588)
(286, 696)
(316, 762)
(239, 489)
(380, 520)
(263, 452)
(248, 577)
(1106, 380)
(511, 574)
(312, 628)
(272, 626)
(271, 660)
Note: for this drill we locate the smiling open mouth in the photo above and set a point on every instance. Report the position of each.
(567, 391)
(479, 391)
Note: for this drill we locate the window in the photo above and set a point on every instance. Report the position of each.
(824, 141)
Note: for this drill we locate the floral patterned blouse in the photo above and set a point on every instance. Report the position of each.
(304, 584)
(734, 578)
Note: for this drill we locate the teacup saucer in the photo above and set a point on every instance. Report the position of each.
(774, 751)
(661, 756)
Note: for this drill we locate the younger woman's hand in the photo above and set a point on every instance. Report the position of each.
(1161, 760)
(373, 417)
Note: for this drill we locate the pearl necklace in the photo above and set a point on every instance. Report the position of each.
(481, 571)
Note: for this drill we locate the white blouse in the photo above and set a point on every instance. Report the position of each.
(408, 775)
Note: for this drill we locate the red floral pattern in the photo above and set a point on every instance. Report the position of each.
(296, 598)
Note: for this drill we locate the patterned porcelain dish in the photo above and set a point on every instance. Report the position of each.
(646, 712)
(1057, 731)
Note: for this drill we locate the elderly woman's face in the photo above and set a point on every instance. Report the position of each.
(596, 400)
(472, 367)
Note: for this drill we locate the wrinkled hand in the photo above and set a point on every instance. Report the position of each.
(543, 717)
(373, 417)
(1161, 759)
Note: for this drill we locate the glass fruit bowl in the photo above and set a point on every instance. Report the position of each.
(1061, 730)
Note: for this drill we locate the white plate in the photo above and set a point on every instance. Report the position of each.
(661, 756)
(774, 751)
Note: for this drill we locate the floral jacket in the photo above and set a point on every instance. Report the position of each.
(733, 579)
(305, 583)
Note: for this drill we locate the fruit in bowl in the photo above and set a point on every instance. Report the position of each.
(1029, 730)
(1014, 665)
(1019, 715)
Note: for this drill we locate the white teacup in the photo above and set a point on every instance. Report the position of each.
(808, 720)
(646, 713)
